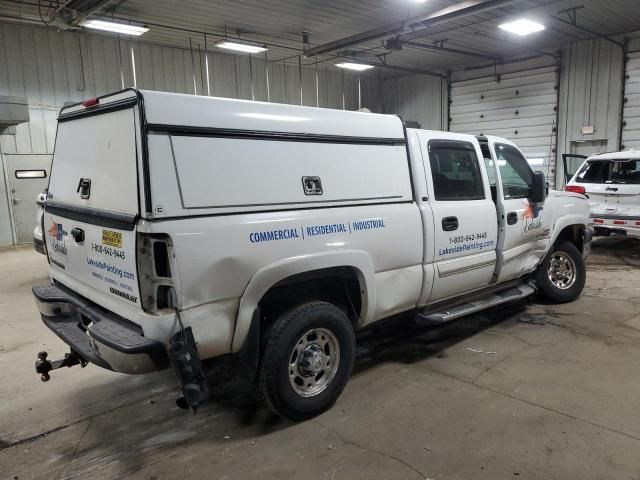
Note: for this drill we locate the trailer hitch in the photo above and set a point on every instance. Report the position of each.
(44, 366)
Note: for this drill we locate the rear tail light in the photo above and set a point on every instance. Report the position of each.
(619, 222)
(598, 220)
(155, 258)
(91, 102)
(575, 189)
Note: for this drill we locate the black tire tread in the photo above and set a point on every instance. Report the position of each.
(552, 293)
(265, 381)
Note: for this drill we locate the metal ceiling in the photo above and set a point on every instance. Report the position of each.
(279, 24)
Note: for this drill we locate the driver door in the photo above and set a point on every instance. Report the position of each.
(523, 221)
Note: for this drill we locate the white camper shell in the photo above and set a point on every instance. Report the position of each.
(181, 229)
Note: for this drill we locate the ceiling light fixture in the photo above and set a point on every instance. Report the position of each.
(124, 28)
(358, 67)
(522, 27)
(241, 47)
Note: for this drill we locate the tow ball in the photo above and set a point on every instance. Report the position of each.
(44, 366)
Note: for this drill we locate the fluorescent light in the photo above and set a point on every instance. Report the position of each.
(358, 67)
(123, 28)
(240, 47)
(522, 27)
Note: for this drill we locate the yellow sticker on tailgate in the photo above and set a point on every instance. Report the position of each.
(113, 239)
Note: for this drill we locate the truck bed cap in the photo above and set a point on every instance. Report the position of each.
(174, 109)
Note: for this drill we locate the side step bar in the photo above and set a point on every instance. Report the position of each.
(435, 316)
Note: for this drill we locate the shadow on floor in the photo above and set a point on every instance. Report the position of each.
(619, 248)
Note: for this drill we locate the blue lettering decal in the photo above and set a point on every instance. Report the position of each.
(368, 224)
(326, 229)
(272, 235)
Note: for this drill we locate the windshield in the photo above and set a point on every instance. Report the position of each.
(609, 171)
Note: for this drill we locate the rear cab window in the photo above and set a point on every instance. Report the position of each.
(455, 171)
(609, 171)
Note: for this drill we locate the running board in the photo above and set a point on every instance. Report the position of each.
(435, 316)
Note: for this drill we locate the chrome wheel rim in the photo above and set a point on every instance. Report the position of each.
(314, 361)
(562, 270)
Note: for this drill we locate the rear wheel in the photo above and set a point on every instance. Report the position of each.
(562, 275)
(307, 360)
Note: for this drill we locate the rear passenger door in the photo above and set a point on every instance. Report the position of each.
(464, 215)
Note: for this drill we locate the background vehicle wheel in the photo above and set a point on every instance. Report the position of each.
(562, 274)
(307, 360)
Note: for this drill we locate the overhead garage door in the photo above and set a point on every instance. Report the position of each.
(631, 119)
(520, 106)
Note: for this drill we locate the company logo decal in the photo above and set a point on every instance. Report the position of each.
(532, 217)
(57, 234)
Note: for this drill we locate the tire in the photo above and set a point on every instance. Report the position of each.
(308, 337)
(562, 274)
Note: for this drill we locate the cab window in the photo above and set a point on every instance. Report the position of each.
(488, 162)
(516, 174)
(455, 170)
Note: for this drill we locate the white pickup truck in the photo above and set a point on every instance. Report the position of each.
(181, 229)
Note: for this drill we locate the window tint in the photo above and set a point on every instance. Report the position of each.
(627, 171)
(488, 162)
(455, 171)
(516, 174)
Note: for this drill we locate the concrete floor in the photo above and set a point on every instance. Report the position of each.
(542, 392)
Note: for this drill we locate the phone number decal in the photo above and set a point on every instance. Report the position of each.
(467, 238)
(108, 251)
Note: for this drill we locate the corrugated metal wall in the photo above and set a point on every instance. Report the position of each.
(51, 68)
(520, 106)
(631, 120)
(590, 96)
(417, 98)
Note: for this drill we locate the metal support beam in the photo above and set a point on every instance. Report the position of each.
(453, 12)
(586, 30)
(526, 46)
(436, 48)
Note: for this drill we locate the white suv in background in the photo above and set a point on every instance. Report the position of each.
(611, 182)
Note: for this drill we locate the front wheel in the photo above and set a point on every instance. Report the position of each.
(562, 274)
(307, 360)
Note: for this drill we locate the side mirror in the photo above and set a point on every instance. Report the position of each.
(539, 188)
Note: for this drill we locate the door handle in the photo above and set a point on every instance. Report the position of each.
(77, 234)
(84, 188)
(512, 218)
(449, 224)
(17, 201)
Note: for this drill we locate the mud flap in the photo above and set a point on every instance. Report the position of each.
(188, 369)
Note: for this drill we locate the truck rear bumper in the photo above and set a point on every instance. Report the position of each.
(96, 335)
(625, 225)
